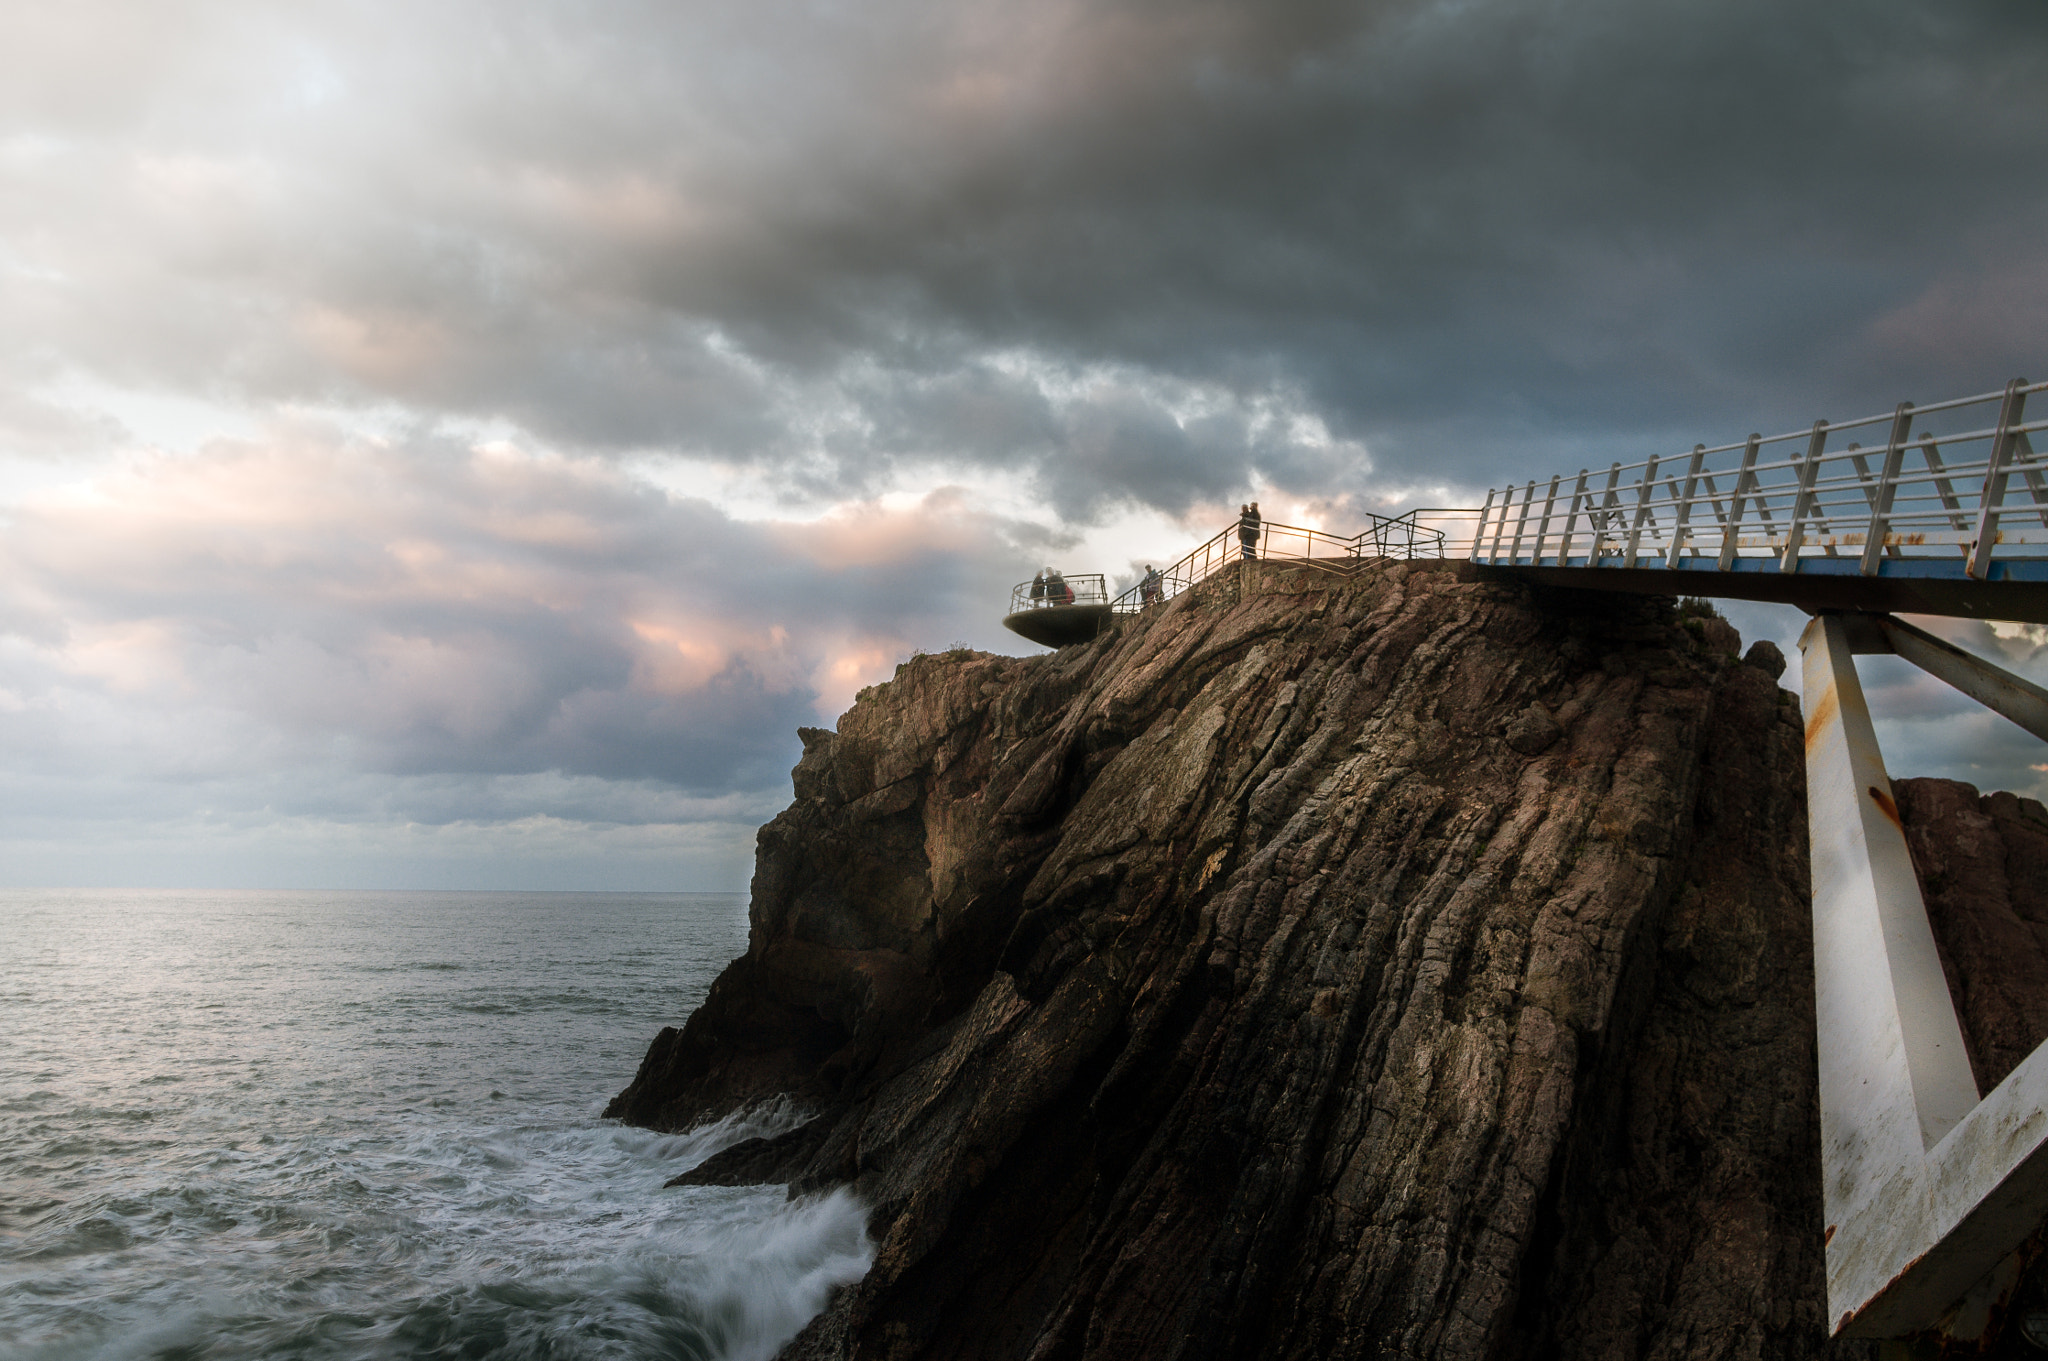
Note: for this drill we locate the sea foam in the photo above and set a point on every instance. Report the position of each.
(239, 1126)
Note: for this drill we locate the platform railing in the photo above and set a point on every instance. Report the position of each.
(1955, 479)
(1400, 536)
(1087, 588)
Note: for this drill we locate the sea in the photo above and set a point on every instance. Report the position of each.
(367, 1125)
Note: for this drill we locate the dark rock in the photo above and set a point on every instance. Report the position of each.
(1227, 987)
(1720, 638)
(1765, 656)
(1533, 730)
(754, 1162)
(1982, 862)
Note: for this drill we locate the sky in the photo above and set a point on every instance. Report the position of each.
(458, 443)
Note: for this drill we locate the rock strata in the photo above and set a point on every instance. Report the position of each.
(1395, 964)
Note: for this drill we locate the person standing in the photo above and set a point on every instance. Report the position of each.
(1038, 587)
(1248, 526)
(1149, 586)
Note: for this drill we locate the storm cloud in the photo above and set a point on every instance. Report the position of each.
(445, 415)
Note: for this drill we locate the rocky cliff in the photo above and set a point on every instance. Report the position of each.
(1982, 861)
(1317, 966)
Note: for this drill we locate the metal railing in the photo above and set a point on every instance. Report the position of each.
(1082, 588)
(1400, 536)
(1968, 484)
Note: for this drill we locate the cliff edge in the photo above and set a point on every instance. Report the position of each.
(1394, 964)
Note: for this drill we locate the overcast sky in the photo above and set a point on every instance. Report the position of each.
(457, 442)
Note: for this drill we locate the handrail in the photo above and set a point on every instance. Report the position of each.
(1969, 485)
(1398, 536)
(1958, 480)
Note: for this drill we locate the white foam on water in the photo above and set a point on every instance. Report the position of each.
(540, 1241)
(410, 1175)
(758, 1279)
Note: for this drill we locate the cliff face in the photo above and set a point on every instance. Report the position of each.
(1982, 862)
(1315, 966)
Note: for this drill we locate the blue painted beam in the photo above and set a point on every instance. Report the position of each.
(2015, 589)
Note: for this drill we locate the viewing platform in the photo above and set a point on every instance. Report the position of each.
(1064, 611)
(1084, 607)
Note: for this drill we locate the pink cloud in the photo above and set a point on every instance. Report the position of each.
(432, 606)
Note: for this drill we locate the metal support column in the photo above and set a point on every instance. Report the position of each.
(1927, 1189)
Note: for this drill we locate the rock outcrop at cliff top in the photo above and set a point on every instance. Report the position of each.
(1393, 965)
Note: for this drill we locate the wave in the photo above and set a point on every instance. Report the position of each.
(762, 1120)
(529, 1241)
(731, 1286)
(374, 1159)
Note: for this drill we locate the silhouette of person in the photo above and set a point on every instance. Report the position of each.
(1248, 526)
(1038, 588)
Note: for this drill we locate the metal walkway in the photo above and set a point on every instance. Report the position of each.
(1945, 512)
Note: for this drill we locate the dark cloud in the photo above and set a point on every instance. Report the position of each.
(1460, 235)
(1080, 256)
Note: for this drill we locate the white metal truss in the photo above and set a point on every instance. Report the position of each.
(1975, 493)
(1929, 1190)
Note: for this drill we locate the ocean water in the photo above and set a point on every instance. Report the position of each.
(365, 1125)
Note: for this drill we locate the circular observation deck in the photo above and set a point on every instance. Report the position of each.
(1062, 611)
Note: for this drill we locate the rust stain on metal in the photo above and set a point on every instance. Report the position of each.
(1823, 714)
(1889, 808)
(1879, 1295)
(1903, 1272)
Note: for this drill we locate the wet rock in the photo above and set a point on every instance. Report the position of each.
(1229, 987)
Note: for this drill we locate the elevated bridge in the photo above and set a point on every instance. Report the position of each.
(1936, 1194)
(1944, 511)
